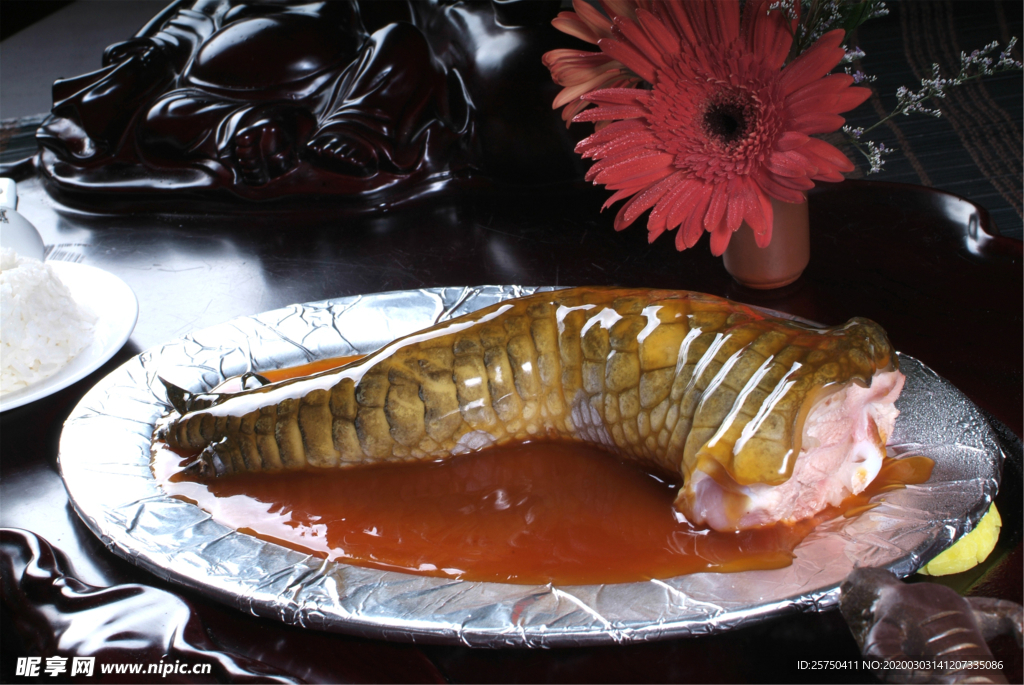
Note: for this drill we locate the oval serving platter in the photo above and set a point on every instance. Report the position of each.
(105, 454)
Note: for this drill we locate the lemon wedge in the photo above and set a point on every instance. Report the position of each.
(970, 550)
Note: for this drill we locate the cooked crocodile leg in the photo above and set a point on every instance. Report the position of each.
(680, 381)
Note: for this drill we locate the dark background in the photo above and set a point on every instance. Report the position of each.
(18, 14)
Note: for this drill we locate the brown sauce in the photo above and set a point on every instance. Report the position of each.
(536, 512)
(529, 513)
(275, 375)
(235, 384)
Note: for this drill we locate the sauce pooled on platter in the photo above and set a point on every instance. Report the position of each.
(536, 512)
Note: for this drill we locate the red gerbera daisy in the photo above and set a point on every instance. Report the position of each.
(723, 127)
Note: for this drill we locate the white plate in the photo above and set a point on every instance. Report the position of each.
(116, 309)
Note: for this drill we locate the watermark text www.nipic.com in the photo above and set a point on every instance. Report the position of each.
(53, 666)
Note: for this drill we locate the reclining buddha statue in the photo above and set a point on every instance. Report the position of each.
(367, 102)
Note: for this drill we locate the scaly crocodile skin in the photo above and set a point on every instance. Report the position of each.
(669, 378)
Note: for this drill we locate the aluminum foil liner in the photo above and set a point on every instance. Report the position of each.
(105, 454)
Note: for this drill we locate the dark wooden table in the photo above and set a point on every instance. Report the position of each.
(918, 261)
(923, 263)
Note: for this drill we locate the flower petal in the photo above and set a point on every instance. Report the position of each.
(625, 170)
(791, 140)
(637, 183)
(774, 189)
(620, 8)
(609, 112)
(787, 164)
(619, 50)
(826, 157)
(644, 201)
(611, 133)
(569, 70)
(815, 62)
(572, 24)
(724, 21)
(574, 91)
(831, 84)
(716, 208)
(760, 216)
(797, 183)
(572, 109)
(675, 15)
(623, 155)
(667, 42)
(624, 143)
(599, 24)
(852, 98)
(641, 41)
(690, 217)
(816, 122)
(657, 222)
(720, 240)
(767, 34)
(616, 196)
(623, 78)
(831, 94)
(742, 201)
(619, 96)
(553, 59)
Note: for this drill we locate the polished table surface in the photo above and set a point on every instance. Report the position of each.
(947, 292)
(924, 263)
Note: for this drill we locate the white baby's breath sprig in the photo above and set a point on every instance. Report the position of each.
(859, 76)
(829, 15)
(912, 102)
(818, 17)
(933, 88)
(978, 63)
(852, 55)
(788, 7)
(874, 152)
(815, 18)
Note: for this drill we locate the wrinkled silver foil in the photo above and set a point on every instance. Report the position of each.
(105, 455)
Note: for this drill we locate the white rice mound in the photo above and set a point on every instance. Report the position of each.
(42, 328)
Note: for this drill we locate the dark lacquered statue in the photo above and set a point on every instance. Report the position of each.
(224, 101)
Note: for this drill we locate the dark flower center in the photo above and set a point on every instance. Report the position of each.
(729, 120)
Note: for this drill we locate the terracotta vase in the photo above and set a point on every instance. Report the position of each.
(782, 261)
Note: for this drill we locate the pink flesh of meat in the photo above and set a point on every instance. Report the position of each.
(843, 447)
